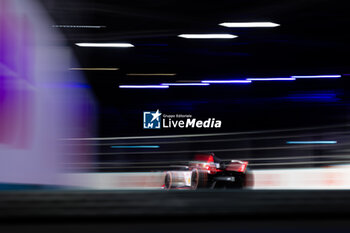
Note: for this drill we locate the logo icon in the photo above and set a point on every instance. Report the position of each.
(151, 120)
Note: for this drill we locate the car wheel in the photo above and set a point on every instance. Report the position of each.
(194, 179)
(202, 179)
(168, 181)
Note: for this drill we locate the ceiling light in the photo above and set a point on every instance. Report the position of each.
(271, 79)
(185, 84)
(207, 36)
(143, 86)
(151, 74)
(249, 24)
(226, 81)
(109, 45)
(77, 26)
(317, 76)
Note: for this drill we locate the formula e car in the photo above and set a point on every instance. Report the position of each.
(208, 171)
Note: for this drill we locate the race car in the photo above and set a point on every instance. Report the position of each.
(208, 171)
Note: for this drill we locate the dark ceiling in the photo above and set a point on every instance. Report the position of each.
(313, 36)
(312, 39)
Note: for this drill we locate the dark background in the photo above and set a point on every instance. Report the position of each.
(312, 39)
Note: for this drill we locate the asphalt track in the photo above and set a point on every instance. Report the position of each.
(172, 204)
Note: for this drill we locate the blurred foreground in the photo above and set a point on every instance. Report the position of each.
(337, 177)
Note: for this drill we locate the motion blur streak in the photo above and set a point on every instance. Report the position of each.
(250, 159)
(185, 84)
(120, 180)
(207, 36)
(317, 76)
(216, 150)
(336, 177)
(311, 142)
(210, 135)
(143, 86)
(105, 45)
(271, 79)
(249, 24)
(266, 151)
(226, 81)
(213, 140)
(34, 113)
(313, 97)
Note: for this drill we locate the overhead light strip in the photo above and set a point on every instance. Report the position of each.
(143, 86)
(226, 81)
(317, 76)
(185, 84)
(105, 45)
(78, 26)
(151, 74)
(207, 36)
(271, 79)
(249, 24)
(233, 81)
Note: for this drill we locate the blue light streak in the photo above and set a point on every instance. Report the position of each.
(143, 86)
(271, 79)
(185, 84)
(311, 142)
(313, 97)
(317, 76)
(227, 81)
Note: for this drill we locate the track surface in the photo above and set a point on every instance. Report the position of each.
(138, 204)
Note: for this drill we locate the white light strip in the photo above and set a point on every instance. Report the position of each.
(77, 26)
(109, 45)
(154, 74)
(271, 79)
(226, 81)
(143, 86)
(185, 84)
(207, 36)
(250, 25)
(317, 76)
(93, 68)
